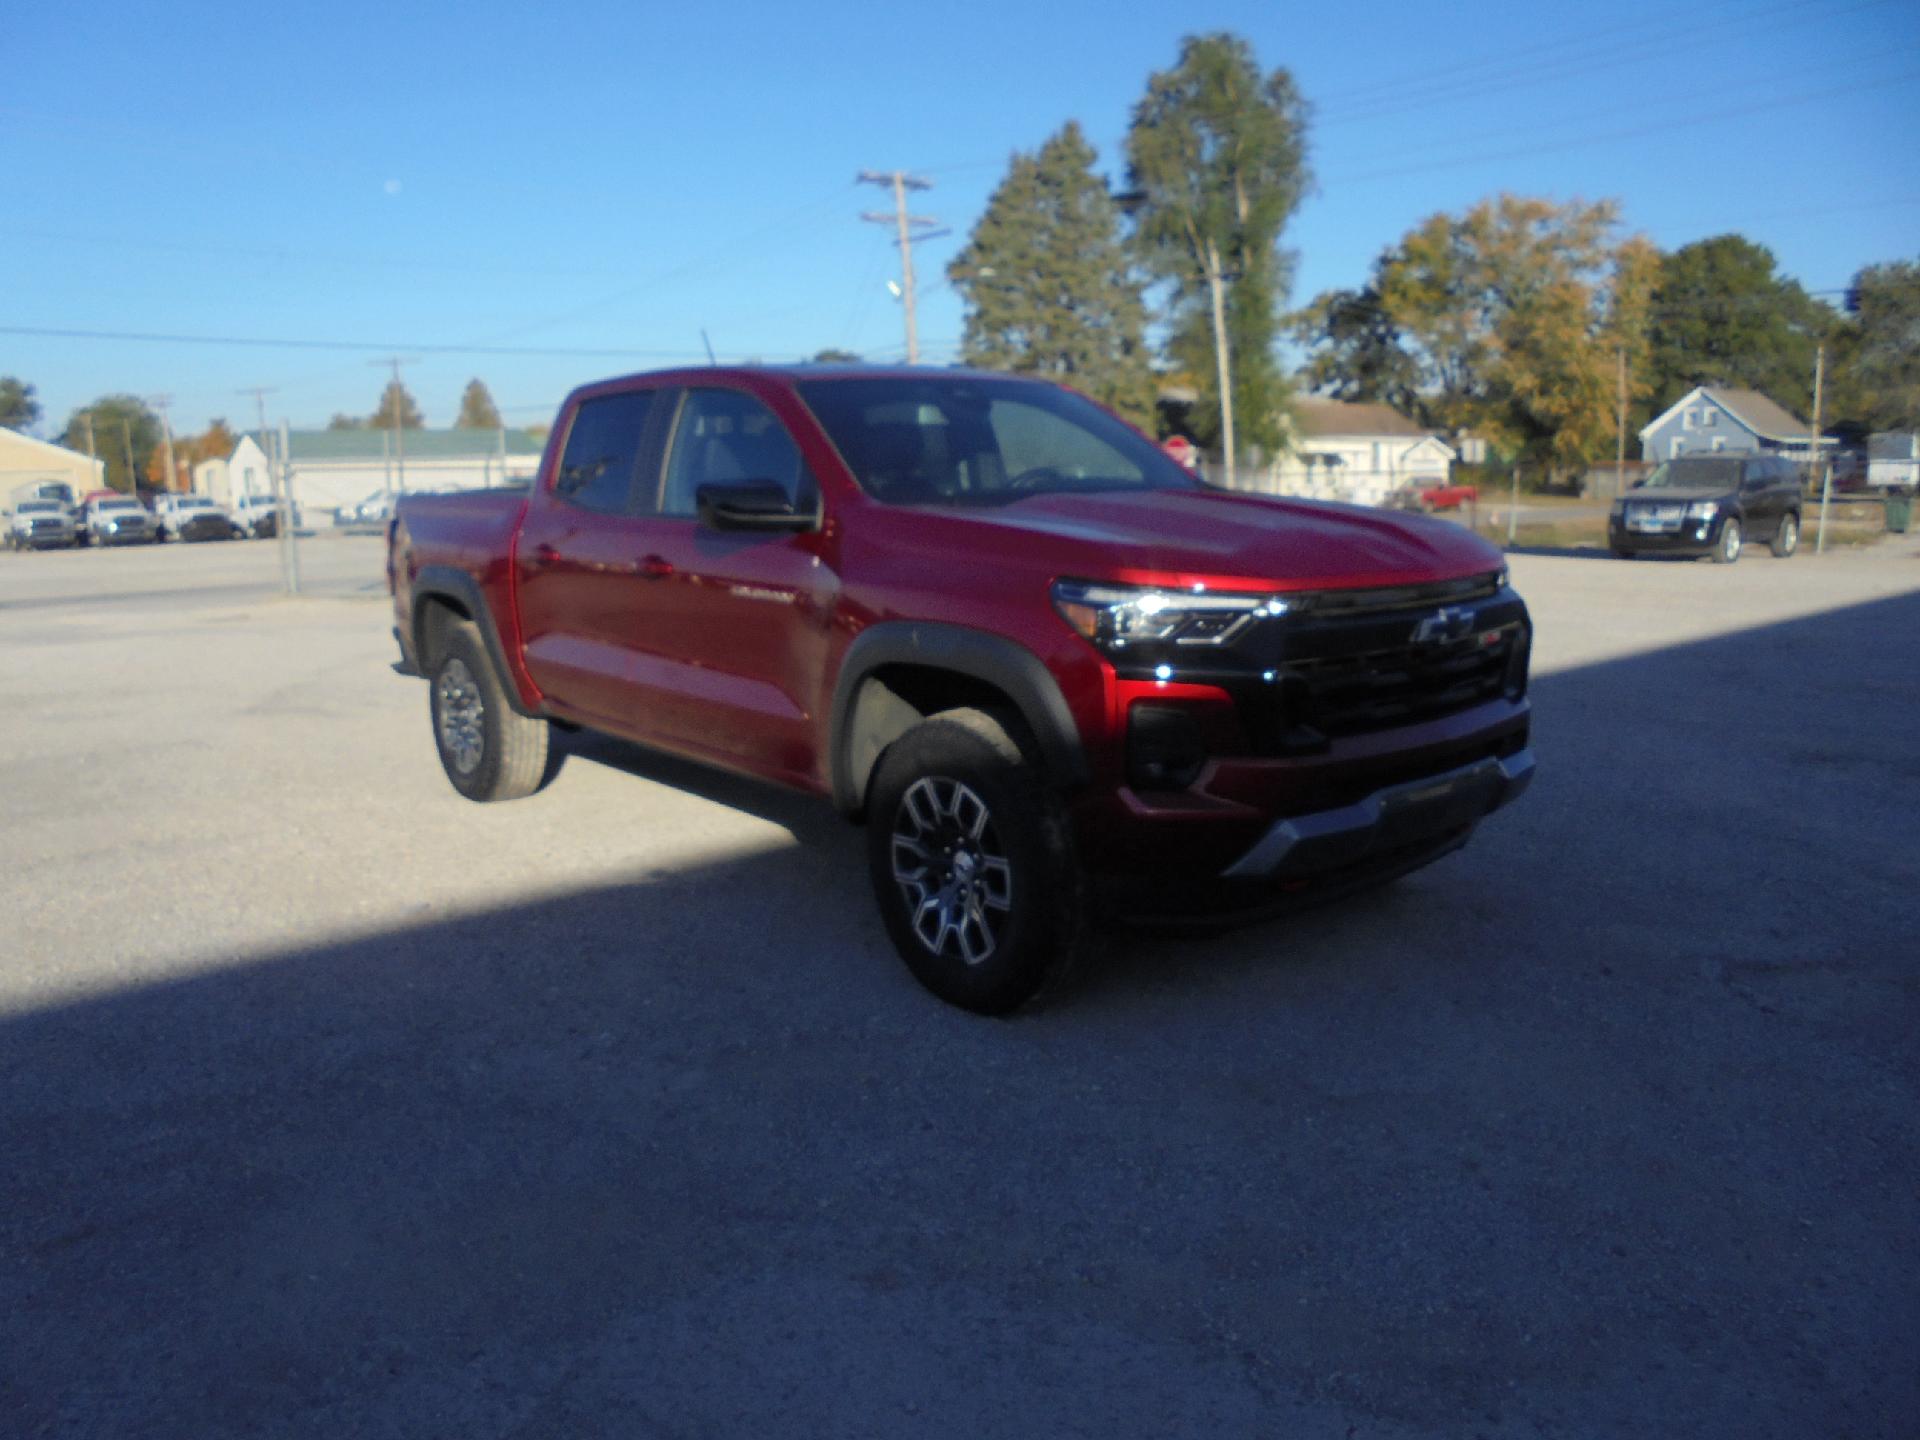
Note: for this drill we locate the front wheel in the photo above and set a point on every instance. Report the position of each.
(1786, 539)
(1728, 550)
(489, 750)
(972, 864)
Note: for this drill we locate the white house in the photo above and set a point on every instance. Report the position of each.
(25, 460)
(1358, 453)
(336, 468)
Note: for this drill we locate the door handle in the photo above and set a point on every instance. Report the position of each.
(543, 555)
(655, 567)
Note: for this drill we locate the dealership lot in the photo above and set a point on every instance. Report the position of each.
(334, 1104)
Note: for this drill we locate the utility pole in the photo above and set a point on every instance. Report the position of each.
(399, 441)
(260, 393)
(126, 441)
(1813, 444)
(1620, 427)
(900, 182)
(1217, 290)
(161, 403)
(283, 515)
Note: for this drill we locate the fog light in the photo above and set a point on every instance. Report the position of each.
(1165, 750)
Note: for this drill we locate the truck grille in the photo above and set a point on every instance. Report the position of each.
(1352, 694)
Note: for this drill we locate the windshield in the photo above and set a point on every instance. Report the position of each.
(117, 505)
(41, 507)
(1695, 472)
(974, 440)
(195, 505)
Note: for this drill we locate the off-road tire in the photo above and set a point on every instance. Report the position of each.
(1038, 935)
(469, 707)
(1786, 540)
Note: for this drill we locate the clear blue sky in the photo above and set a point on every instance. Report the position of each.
(616, 177)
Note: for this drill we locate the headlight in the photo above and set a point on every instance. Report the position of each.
(1703, 510)
(1115, 616)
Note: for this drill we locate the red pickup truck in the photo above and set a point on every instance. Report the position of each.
(1056, 675)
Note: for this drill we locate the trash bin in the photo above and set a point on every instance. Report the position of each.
(1899, 513)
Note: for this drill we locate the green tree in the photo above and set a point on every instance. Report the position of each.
(122, 429)
(18, 408)
(343, 421)
(1877, 371)
(1513, 315)
(396, 406)
(834, 355)
(1216, 158)
(1047, 283)
(1355, 351)
(477, 410)
(1722, 316)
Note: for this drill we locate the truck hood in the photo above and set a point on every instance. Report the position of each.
(1220, 538)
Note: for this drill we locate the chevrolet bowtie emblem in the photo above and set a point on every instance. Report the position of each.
(1449, 622)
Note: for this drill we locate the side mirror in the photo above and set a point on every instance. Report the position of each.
(750, 505)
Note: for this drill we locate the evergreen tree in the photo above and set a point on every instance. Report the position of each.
(1216, 157)
(1047, 283)
(396, 404)
(477, 410)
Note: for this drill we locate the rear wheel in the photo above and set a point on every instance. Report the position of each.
(972, 864)
(488, 749)
(1786, 539)
(1728, 550)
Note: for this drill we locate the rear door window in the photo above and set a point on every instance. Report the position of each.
(600, 467)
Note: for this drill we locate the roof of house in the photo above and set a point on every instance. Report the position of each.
(14, 437)
(1317, 419)
(1760, 414)
(319, 447)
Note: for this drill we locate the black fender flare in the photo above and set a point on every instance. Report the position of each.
(867, 717)
(449, 582)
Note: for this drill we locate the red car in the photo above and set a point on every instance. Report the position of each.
(1056, 675)
(1431, 496)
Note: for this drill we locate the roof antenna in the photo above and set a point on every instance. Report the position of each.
(709, 344)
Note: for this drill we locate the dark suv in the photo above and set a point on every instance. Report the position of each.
(1710, 505)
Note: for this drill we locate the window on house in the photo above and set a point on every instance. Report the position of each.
(1690, 419)
(1707, 417)
(1719, 442)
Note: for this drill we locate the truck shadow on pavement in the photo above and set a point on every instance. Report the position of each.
(1604, 1126)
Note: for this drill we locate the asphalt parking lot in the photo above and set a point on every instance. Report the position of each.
(331, 1104)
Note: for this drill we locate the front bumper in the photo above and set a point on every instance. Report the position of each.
(1694, 537)
(1392, 821)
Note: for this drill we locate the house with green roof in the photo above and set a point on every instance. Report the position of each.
(332, 469)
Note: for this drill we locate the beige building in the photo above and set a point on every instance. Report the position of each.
(25, 461)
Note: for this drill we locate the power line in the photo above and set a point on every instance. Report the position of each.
(289, 343)
(1632, 133)
(1459, 85)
